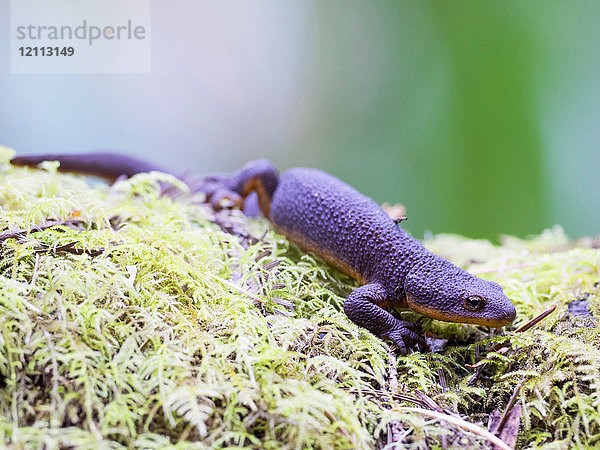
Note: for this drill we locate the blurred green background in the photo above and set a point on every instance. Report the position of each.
(468, 109)
(481, 117)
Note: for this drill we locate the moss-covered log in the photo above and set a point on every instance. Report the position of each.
(135, 320)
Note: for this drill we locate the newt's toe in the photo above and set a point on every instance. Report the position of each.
(406, 338)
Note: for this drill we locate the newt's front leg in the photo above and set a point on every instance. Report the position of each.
(258, 176)
(362, 308)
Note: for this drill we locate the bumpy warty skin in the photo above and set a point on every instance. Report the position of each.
(327, 216)
(437, 288)
(323, 211)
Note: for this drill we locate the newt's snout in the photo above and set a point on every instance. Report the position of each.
(496, 317)
(510, 313)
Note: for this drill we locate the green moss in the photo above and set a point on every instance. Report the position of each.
(136, 322)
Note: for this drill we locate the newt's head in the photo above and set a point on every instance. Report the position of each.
(442, 291)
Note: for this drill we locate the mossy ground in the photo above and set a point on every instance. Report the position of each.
(136, 322)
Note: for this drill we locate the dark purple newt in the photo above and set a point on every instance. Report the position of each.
(327, 217)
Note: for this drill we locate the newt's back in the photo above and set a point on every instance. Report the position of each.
(326, 216)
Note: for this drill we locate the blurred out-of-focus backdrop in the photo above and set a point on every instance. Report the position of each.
(482, 117)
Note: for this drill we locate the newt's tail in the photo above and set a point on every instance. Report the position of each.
(109, 166)
(222, 190)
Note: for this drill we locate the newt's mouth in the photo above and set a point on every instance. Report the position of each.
(493, 318)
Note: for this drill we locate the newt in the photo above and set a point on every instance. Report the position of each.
(350, 231)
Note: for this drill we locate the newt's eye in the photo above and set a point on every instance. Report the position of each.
(474, 303)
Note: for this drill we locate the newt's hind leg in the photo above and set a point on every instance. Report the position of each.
(224, 191)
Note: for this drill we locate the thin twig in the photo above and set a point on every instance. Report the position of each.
(394, 427)
(237, 288)
(393, 371)
(36, 267)
(70, 248)
(476, 429)
(36, 228)
(477, 374)
(431, 404)
(442, 377)
(379, 394)
(333, 419)
(499, 346)
(506, 412)
(535, 320)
